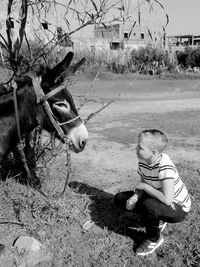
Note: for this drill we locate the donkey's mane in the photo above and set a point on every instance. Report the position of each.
(6, 94)
(20, 81)
(24, 81)
(41, 69)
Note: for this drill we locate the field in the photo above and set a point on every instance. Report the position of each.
(108, 165)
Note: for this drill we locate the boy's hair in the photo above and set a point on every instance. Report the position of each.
(159, 139)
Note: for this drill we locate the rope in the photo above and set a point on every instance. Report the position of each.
(16, 113)
(67, 122)
(42, 98)
(21, 150)
(51, 93)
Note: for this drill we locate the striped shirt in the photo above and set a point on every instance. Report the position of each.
(161, 170)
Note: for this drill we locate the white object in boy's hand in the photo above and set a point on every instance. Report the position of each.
(130, 203)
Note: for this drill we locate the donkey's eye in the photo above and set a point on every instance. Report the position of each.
(62, 106)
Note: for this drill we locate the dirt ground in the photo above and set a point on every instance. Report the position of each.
(109, 161)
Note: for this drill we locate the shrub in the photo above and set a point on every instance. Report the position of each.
(146, 60)
(196, 57)
(189, 57)
(149, 59)
(117, 67)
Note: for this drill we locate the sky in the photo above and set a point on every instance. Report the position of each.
(184, 16)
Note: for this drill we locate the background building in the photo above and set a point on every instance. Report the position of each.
(181, 41)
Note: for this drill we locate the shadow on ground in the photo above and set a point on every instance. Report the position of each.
(105, 214)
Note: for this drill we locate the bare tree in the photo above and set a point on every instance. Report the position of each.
(77, 14)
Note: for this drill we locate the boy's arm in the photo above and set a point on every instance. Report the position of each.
(130, 203)
(166, 195)
(140, 174)
(138, 191)
(166, 176)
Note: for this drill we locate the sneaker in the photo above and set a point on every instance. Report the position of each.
(162, 226)
(147, 247)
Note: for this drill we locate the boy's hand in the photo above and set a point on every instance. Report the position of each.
(141, 186)
(130, 203)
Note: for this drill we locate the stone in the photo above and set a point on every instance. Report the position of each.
(31, 251)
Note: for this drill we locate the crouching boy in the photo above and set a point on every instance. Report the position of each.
(161, 197)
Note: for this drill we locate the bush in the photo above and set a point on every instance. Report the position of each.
(189, 58)
(146, 60)
(196, 57)
(149, 59)
(117, 67)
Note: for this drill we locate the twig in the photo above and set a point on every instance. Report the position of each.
(12, 222)
(99, 110)
(42, 192)
(138, 72)
(65, 186)
(95, 78)
(86, 100)
(69, 170)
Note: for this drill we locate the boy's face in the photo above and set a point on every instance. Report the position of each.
(143, 149)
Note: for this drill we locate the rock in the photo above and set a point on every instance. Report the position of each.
(31, 251)
(28, 243)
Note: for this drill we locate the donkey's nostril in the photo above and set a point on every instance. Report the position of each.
(83, 143)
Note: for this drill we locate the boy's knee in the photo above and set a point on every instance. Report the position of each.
(150, 206)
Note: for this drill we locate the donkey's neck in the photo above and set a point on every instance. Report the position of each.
(27, 107)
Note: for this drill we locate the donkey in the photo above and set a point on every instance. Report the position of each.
(31, 112)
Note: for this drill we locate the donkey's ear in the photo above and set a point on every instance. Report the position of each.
(63, 65)
(56, 75)
(73, 68)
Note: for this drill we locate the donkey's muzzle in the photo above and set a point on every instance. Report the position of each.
(79, 138)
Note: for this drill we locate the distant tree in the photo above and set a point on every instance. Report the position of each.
(83, 12)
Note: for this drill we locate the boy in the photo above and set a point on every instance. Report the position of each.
(161, 196)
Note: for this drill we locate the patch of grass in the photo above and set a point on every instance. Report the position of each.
(57, 223)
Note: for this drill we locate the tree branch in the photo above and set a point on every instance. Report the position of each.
(11, 222)
(98, 111)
